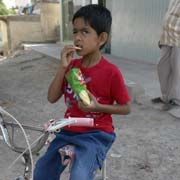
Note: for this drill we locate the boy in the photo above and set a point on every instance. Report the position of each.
(108, 94)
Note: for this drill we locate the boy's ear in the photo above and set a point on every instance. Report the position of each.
(103, 37)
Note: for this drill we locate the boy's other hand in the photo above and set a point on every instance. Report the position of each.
(67, 55)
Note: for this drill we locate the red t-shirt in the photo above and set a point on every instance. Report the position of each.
(106, 83)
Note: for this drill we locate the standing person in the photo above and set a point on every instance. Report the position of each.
(169, 64)
(107, 91)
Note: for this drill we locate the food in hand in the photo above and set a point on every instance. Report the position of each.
(84, 97)
(77, 48)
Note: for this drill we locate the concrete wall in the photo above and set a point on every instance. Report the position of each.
(136, 28)
(32, 28)
(24, 29)
(50, 20)
(4, 37)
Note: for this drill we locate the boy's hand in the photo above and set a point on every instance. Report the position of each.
(67, 55)
(89, 108)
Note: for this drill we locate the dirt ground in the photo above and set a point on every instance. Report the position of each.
(148, 140)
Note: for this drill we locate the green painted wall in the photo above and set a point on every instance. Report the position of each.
(136, 28)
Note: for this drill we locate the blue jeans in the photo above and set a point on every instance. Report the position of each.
(90, 151)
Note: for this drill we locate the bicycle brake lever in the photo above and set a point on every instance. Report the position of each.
(55, 126)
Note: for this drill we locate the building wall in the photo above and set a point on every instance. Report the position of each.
(34, 28)
(136, 28)
(4, 37)
(50, 20)
(18, 29)
(31, 31)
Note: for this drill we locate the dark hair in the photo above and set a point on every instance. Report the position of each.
(97, 16)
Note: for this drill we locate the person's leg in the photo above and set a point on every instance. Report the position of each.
(49, 166)
(174, 90)
(84, 166)
(90, 154)
(164, 71)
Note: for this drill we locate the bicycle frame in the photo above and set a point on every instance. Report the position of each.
(54, 126)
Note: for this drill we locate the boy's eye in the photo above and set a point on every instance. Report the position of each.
(85, 32)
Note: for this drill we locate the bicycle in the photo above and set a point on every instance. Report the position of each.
(7, 128)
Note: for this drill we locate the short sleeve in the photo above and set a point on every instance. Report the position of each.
(119, 91)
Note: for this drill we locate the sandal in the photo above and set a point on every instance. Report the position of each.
(168, 106)
(157, 100)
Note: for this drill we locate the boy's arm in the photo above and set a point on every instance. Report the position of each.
(114, 109)
(55, 89)
(95, 106)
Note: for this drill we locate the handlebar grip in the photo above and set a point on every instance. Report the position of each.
(83, 122)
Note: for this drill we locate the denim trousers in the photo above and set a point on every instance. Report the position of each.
(90, 152)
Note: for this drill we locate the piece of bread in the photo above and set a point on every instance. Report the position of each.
(77, 48)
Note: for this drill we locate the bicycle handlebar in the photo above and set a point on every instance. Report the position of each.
(75, 121)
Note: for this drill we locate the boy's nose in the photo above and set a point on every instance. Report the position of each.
(77, 37)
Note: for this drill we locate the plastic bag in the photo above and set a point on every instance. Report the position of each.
(77, 83)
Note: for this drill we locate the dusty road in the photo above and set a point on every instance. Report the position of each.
(148, 140)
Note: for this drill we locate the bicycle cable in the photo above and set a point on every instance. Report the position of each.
(26, 139)
(26, 150)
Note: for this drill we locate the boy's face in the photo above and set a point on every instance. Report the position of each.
(85, 37)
